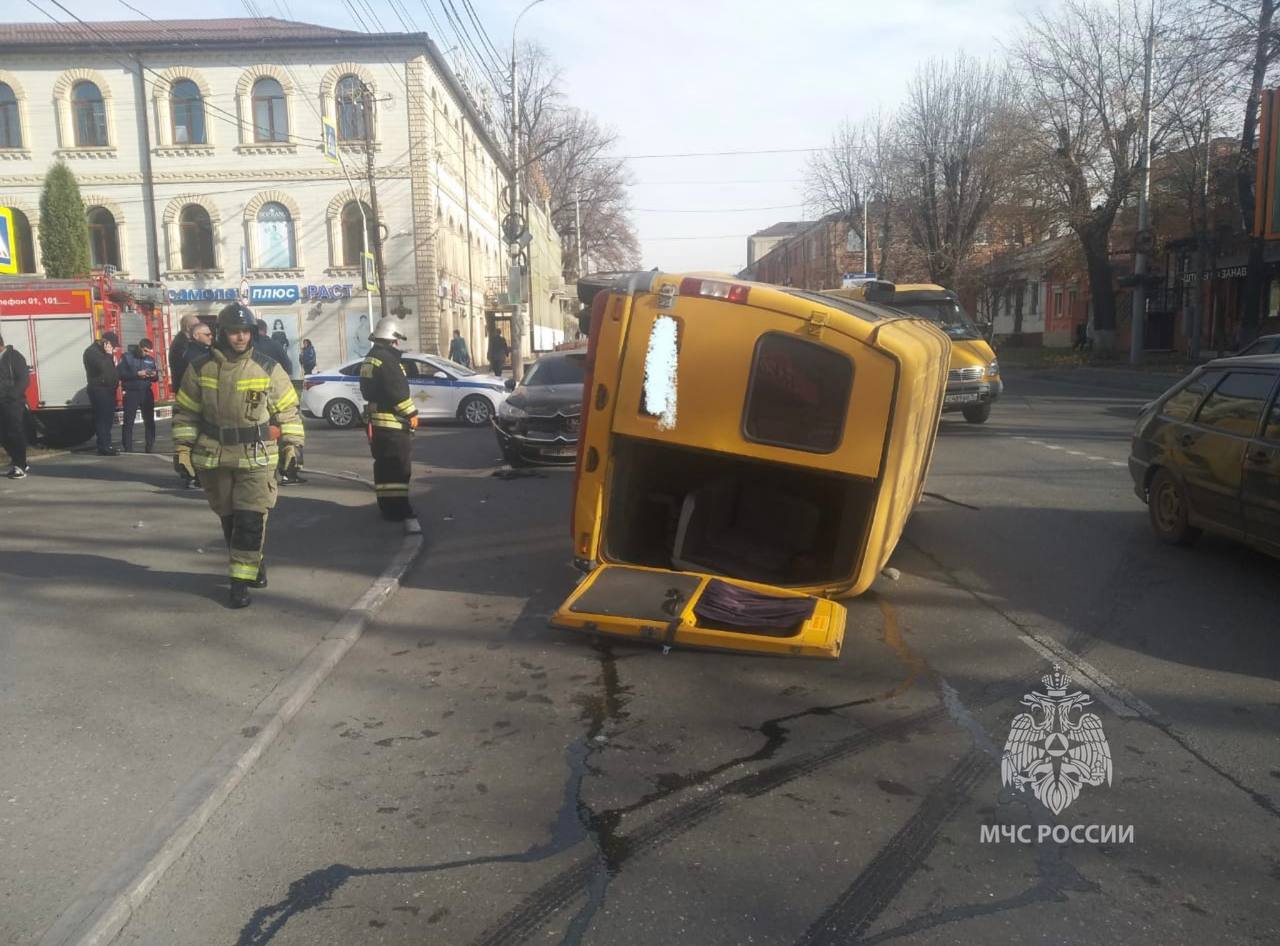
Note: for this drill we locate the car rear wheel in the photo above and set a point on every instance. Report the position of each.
(475, 411)
(341, 413)
(1167, 506)
(977, 413)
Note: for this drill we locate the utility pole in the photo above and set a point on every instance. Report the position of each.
(866, 237)
(515, 217)
(1202, 255)
(367, 113)
(577, 225)
(1137, 332)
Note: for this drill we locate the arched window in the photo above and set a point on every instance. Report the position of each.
(275, 237)
(350, 101)
(10, 126)
(24, 248)
(104, 241)
(270, 117)
(89, 114)
(352, 242)
(195, 231)
(187, 108)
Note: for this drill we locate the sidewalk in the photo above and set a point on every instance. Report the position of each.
(121, 671)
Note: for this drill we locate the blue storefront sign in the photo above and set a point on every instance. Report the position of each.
(273, 295)
(268, 294)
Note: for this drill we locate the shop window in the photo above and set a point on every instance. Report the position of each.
(276, 248)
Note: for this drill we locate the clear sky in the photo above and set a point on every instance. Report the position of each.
(679, 76)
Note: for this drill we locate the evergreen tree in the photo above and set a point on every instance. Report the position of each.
(64, 232)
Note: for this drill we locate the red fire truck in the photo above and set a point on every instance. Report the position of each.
(52, 322)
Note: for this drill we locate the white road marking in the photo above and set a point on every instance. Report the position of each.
(1076, 453)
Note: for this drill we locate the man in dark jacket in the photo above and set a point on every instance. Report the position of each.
(498, 350)
(14, 376)
(138, 374)
(178, 349)
(271, 348)
(102, 379)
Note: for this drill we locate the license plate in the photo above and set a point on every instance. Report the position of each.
(961, 398)
(561, 451)
(541, 435)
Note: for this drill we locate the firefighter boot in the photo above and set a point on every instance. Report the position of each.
(261, 580)
(240, 593)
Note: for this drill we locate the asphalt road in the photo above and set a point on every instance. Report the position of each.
(467, 775)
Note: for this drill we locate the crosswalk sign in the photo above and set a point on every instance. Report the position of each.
(8, 244)
(369, 272)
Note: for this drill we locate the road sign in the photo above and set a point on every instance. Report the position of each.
(8, 243)
(330, 139)
(1144, 241)
(368, 272)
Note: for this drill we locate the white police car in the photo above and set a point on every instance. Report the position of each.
(441, 389)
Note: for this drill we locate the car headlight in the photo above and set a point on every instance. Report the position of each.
(510, 411)
(993, 369)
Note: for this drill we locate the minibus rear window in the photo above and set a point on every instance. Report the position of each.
(798, 394)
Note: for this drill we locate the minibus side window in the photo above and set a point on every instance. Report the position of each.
(798, 394)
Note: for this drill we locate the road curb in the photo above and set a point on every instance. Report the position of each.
(96, 918)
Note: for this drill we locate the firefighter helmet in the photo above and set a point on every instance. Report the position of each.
(235, 317)
(388, 330)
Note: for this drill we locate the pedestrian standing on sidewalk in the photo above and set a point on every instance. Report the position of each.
(232, 403)
(178, 349)
(458, 353)
(392, 419)
(102, 378)
(498, 351)
(272, 349)
(14, 377)
(307, 356)
(138, 374)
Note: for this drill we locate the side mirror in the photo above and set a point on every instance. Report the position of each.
(440, 375)
(509, 384)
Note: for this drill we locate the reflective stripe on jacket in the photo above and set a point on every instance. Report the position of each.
(386, 389)
(228, 391)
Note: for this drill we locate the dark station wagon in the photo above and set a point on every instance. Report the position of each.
(1206, 454)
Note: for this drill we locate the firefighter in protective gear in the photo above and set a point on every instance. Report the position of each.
(392, 417)
(236, 413)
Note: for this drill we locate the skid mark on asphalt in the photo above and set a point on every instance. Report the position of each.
(576, 821)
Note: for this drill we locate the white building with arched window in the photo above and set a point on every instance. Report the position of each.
(199, 151)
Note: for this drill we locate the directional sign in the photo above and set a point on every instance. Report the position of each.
(8, 243)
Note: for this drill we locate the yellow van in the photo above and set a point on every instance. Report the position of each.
(974, 381)
(747, 453)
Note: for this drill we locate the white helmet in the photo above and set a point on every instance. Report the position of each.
(388, 330)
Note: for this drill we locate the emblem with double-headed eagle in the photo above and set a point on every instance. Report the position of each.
(1056, 748)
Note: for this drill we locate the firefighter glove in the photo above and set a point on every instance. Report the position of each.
(182, 464)
(413, 422)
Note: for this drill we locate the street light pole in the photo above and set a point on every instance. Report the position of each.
(1137, 333)
(577, 225)
(513, 189)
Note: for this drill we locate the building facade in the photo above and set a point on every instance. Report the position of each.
(198, 146)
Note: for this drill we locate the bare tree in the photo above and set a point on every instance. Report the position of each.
(584, 182)
(566, 160)
(860, 167)
(954, 128)
(1082, 71)
(1247, 37)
